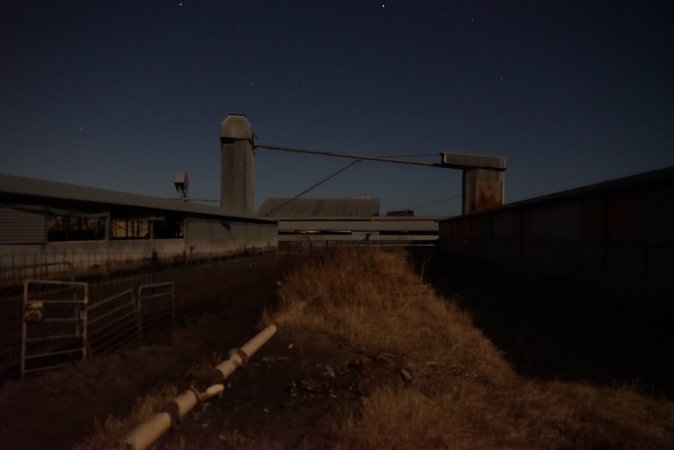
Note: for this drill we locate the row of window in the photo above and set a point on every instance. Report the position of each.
(81, 228)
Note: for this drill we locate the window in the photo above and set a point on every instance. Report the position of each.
(131, 228)
(74, 228)
(158, 227)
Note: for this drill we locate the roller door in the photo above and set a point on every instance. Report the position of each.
(22, 227)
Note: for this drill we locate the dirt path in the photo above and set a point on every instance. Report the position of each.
(286, 397)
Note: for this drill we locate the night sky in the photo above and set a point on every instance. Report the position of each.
(121, 95)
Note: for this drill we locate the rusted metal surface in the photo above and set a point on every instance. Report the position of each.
(482, 189)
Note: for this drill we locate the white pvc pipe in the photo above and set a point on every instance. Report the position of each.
(248, 349)
(148, 432)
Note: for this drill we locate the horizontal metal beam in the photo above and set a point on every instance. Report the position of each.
(347, 155)
(447, 160)
(462, 161)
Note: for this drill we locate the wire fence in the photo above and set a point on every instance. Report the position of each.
(114, 323)
(156, 308)
(121, 308)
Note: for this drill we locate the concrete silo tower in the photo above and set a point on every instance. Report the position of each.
(237, 189)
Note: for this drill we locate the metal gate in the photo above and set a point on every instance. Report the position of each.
(156, 307)
(54, 330)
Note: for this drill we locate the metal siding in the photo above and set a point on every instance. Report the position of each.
(516, 226)
(560, 221)
(527, 224)
(592, 219)
(659, 217)
(483, 228)
(22, 227)
(625, 217)
(502, 228)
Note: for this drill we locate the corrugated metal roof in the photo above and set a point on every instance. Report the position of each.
(43, 190)
(319, 207)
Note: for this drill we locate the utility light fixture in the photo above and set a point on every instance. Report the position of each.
(181, 182)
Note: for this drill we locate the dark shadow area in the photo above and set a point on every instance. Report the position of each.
(551, 329)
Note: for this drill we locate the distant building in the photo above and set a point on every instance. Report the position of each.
(323, 222)
(401, 213)
(362, 206)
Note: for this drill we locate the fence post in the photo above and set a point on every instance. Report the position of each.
(139, 314)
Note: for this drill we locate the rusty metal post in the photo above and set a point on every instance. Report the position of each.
(482, 188)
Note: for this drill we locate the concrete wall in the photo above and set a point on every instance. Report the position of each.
(210, 237)
(619, 238)
(203, 239)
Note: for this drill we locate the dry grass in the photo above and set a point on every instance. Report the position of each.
(464, 394)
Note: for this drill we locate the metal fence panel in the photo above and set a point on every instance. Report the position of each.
(156, 307)
(54, 328)
(113, 323)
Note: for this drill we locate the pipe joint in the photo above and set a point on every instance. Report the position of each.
(214, 376)
(243, 357)
(173, 411)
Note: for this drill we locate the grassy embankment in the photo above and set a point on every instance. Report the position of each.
(464, 393)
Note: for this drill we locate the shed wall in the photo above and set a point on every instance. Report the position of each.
(203, 239)
(22, 227)
(620, 239)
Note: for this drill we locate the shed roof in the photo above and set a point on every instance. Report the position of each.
(23, 189)
(319, 207)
